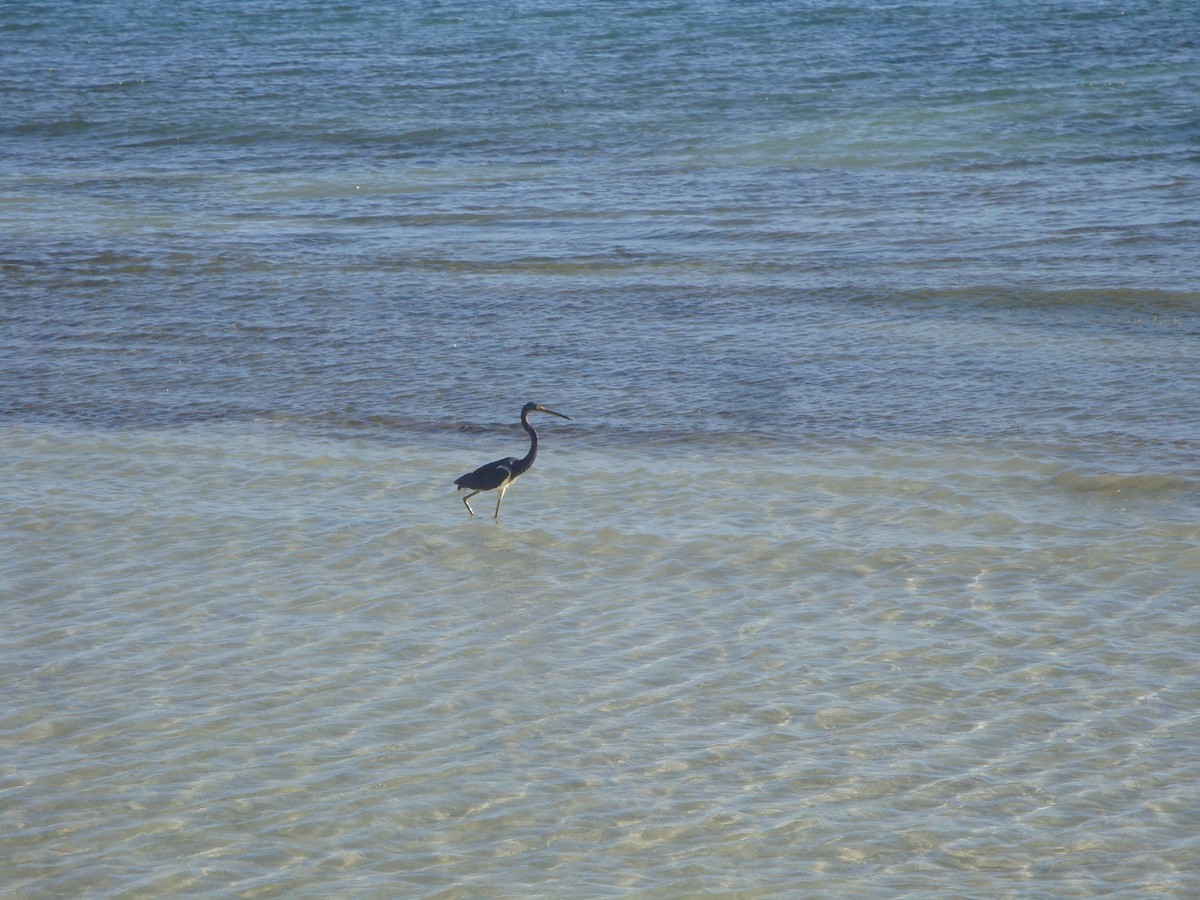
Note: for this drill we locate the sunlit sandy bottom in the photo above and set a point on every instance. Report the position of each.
(247, 660)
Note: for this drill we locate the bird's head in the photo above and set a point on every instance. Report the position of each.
(537, 407)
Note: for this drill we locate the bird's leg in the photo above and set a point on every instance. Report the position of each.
(503, 488)
(468, 505)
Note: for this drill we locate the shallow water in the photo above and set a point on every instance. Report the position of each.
(867, 565)
(262, 661)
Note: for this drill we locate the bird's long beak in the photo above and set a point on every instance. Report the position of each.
(552, 412)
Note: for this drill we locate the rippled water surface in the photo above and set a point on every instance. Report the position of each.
(868, 562)
(251, 660)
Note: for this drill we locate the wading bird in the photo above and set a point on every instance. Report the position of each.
(498, 475)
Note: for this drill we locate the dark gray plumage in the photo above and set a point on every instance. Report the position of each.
(498, 475)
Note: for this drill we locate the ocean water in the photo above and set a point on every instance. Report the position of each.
(867, 566)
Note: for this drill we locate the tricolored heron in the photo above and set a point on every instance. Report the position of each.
(498, 475)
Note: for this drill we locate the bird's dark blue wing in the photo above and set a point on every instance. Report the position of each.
(489, 477)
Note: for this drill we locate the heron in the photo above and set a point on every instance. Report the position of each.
(498, 475)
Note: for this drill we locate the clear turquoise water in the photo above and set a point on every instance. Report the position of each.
(867, 565)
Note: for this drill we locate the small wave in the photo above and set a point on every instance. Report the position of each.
(1133, 485)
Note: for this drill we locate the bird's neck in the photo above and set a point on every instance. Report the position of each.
(525, 463)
